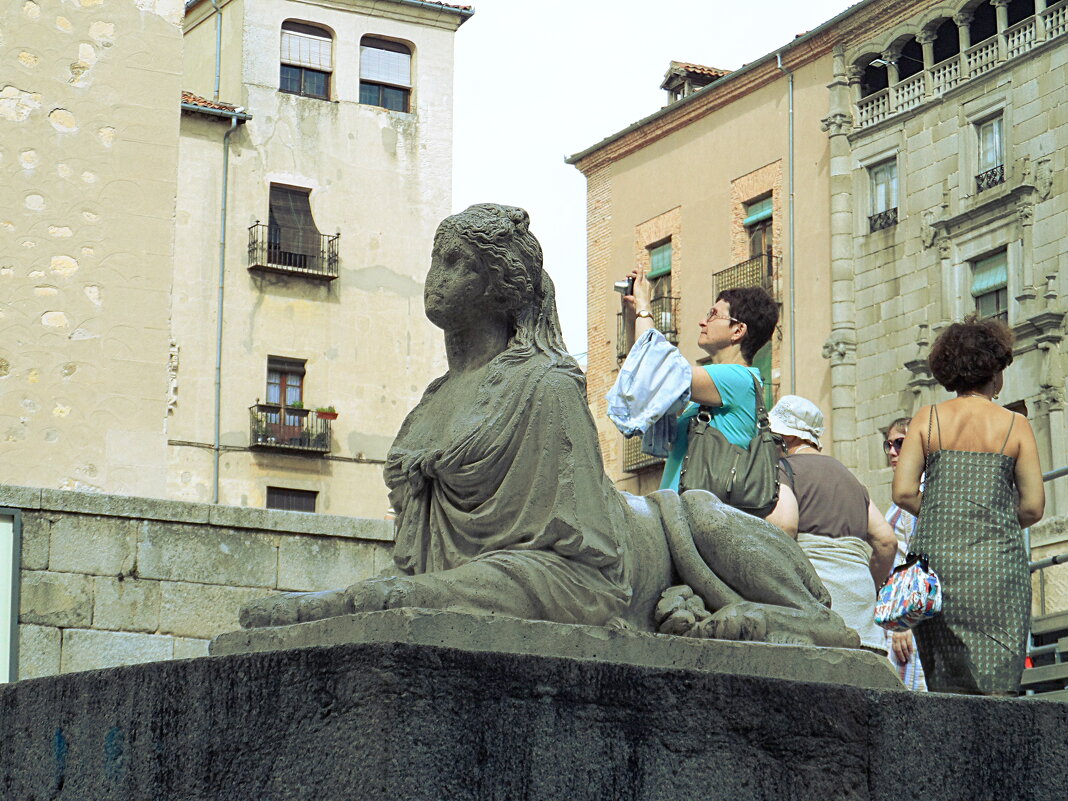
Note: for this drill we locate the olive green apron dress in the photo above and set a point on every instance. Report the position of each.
(969, 531)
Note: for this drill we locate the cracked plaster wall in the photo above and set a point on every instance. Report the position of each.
(88, 145)
(380, 179)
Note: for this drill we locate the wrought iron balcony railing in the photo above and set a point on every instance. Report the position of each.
(990, 178)
(755, 271)
(275, 248)
(883, 219)
(634, 460)
(665, 312)
(285, 428)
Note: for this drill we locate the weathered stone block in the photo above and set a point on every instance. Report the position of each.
(201, 610)
(318, 563)
(103, 546)
(188, 648)
(18, 497)
(124, 506)
(209, 555)
(56, 599)
(126, 605)
(36, 528)
(86, 649)
(39, 648)
(302, 523)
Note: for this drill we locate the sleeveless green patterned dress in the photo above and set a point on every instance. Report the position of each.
(969, 530)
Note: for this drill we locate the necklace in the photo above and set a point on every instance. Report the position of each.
(974, 395)
(801, 447)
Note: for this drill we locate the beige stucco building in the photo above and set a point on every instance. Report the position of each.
(186, 279)
(725, 186)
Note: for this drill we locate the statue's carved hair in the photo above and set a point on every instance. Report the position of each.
(512, 255)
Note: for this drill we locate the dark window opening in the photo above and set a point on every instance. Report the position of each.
(304, 81)
(291, 500)
(385, 73)
(873, 79)
(292, 237)
(947, 41)
(1019, 10)
(984, 23)
(909, 60)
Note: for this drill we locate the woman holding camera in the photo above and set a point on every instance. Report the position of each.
(738, 325)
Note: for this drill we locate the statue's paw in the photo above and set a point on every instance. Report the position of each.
(274, 610)
(410, 592)
(369, 595)
(745, 621)
(320, 605)
(680, 612)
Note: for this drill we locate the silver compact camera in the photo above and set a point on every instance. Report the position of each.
(624, 287)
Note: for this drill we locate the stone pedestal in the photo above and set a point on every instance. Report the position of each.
(508, 635)
(404, 722)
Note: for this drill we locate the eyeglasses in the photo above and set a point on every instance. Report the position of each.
(714, 314)
(893, 444)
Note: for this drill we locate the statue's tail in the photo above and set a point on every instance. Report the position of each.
(688, 562)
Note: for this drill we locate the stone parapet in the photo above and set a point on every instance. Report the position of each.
(109, 580)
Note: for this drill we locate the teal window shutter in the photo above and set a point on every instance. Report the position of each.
(990, 274)
(660, 260)
(757, 212)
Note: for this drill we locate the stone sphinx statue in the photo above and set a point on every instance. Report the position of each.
(502, 503)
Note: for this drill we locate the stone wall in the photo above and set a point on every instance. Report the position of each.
(112, 580)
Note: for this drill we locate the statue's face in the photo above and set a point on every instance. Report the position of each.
(456, 291)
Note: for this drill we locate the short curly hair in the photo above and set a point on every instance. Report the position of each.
(968, 354)
(758, 310)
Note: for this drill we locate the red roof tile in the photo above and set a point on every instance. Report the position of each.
(197, 100)
(699, 68)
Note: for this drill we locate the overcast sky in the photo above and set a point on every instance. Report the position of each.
(538, 80)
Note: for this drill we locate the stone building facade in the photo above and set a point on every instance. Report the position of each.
(948, 197)
(189, 279)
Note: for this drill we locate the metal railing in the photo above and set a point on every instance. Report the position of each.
(1033, 682)
(990, 178)
(278, 249)
(665, 311)
(634, 460)
(286, 428)
(882, 219)
(755, 271)
(1015, 41)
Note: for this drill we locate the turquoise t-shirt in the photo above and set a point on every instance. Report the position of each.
(736, 418)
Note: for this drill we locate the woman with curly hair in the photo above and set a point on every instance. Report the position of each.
(983, 485)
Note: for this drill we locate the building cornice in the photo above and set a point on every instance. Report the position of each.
(419, 12)
(860, 22)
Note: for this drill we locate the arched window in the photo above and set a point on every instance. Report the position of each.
(385, 73)
(306, 60)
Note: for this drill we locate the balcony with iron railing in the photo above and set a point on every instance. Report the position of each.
(634, 461)
(988, 179)
(978, 59)
(274, 248)
(665, 311)
(882, 219)
(754, 271)
(275, 427)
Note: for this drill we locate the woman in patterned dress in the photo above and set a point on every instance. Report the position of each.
(983, 485)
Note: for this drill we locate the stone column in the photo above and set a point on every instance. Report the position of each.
(841, 346)
(1050, 325)
(891, 57)
(1040, 23)
(927, 40)
(964, 36)
(1002, 9)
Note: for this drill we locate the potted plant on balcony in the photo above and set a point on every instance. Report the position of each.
(326, 413)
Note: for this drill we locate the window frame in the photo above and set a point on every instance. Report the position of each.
(998, 292)
(873, 184)
(379, 84)
(305, 30)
